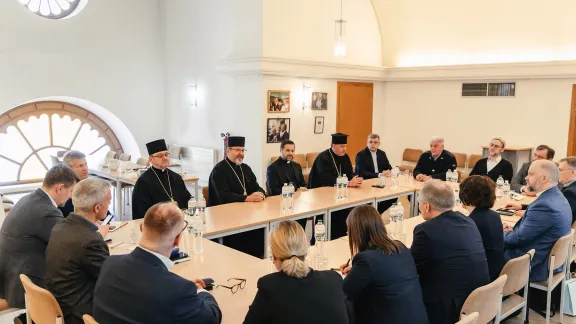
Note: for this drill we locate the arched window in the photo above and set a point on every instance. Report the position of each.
(31, 133)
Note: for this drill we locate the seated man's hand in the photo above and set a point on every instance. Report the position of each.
(507, 228)
(515, 206)
(255, 197)
(355, 182)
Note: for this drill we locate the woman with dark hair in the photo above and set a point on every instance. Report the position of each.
(382, 282)
(478, 194)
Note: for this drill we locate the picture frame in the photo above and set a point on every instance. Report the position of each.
(319, 101)
(277, 130)
(318, 125)
(278, 101)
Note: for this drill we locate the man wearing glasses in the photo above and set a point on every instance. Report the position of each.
(158, 183)
(140, 286)
(568, 179)
(543, 152)
(494, 165)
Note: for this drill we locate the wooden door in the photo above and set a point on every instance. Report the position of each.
(571, 151)
(354, 114)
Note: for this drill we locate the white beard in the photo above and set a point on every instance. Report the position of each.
(239, 161)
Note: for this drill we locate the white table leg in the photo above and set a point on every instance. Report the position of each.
(119, 204)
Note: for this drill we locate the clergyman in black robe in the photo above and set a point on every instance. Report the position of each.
(326, 168)
(232, 181)
(284, 170)
(158, 183)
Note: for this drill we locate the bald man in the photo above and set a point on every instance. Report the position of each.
(546, 219)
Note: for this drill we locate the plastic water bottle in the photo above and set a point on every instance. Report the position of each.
(457, 197)
(393, 221)
(449, 175)
(399, 217)
(506, 188)
(455, 176)
(499, 187)
(192, 204)
(201, 206)
(292, 193)
(197, 231)
(320, 236)
(394, 175)
(344, 186)
(285, 202)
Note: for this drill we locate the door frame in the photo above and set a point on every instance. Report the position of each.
(571, 151)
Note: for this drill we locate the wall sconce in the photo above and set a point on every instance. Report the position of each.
(306, 96)
(193, 96)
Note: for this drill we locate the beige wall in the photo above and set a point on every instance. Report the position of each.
(412, 112)
(447, 32)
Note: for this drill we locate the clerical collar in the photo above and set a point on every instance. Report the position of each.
(283, 160)
(158, 170)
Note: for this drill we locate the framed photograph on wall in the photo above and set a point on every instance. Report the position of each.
(318, 125)
(319, 101)
(277, 130)
(278, 101)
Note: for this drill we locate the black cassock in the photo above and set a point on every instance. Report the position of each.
(280, 172)
(325, 170)
(323, 174)
(225, 187)
(148, 191)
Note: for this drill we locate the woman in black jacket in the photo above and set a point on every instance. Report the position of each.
(296, 294)
(478, 194)
(382, 282)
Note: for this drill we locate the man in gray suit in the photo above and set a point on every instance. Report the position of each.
(26, 230)
(518, 184)
(77, 250)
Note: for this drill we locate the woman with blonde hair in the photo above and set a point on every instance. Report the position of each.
(382, 282)
(296, 293)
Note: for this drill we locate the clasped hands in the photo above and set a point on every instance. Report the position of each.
(256, 196)
(422, 177)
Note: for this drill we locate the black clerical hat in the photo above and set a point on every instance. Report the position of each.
(156, 146)
(339, 138)
(236, 141)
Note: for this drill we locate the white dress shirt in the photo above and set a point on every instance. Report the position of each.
(375, 159)
(492, 162)
(541, 192)
(51, 199)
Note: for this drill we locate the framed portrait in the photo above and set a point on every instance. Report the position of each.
(277, 130)
(318, 125)
(319, 101)
(278, 101)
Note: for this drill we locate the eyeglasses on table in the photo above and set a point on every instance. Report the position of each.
(234, 288)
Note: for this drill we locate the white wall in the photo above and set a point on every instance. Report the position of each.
(447, 32)
(198, 35)
(304, 30)
(413, 112)
(109, 54)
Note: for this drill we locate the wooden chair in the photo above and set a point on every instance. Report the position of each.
(125, 157)
(205, 193)
(3, 304)
(518, 272)
(411, 156)
(572, 255)
(469, 319)
(89, 319)
(558, 257)
(472, 160)
(460, 160)
(41, 306)
(310, 157)
(485, 300)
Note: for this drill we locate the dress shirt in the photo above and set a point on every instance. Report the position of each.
(375, 159)
(51, 199)
(492, 162)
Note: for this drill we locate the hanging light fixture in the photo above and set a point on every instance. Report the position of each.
(339, 32)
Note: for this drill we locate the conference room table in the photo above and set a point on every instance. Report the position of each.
(121, 179)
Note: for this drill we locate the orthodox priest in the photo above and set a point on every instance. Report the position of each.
(327, 167)
(158, 183)
(233, 181)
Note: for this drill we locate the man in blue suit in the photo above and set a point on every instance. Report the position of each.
(546, 219)
(139, 287)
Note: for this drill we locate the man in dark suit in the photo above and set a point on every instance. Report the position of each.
(518, 184)
(77, 250)
(284, 170)
(494, 165)
(435, 163)
(567, 169)
(448, 252)
(139, 286)
(26, 231)
(546, 219)
(371, 163)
